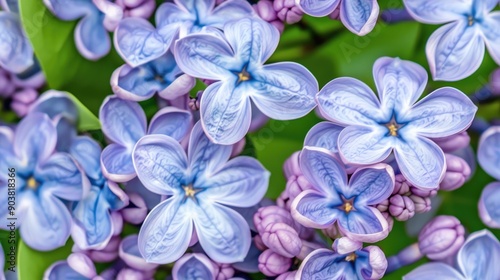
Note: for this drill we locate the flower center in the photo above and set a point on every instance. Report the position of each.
(32, 183)
(351, 257)
(348, 205)
(471, 20)
(189, 191)
(159, 79)
(243, 76)
(393, 128)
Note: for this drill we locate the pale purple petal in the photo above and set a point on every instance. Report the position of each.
(229, 10)
(193, 266)
(365, 144)
(421, 161)
(179, 87)
(359, 16)
(91, 38)
(491, 34)
(138, 42)
(482, 7)
(70, 10)
(132, 83)
(317, 8)
(378, 262)
(82, 264)
(371, 185)
(434, 270)
(116, 163)
(324, 264)
(455, 51)
(345, 245)
(129, 253)
(347, 101)
(242, 182)
(399, 83)
(160, 163)
(479, 256)
(323, 171)
(61, 270)
(256, 44)
(488, 153)
(222, 232)
(35, 138)
(122, 121)
(86, 151)
(205, 56)
(437, 11)
(324, 135)
(54, 103)
(225, 112)
(16, 54)
(172, 122)
(165, 234)
(364, 224)
(314, 210)
(489, 205)
(284, 90)
(444, 112)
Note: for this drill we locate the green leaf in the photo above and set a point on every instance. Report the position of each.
(31, 264)
(64, 68)
(86, 119)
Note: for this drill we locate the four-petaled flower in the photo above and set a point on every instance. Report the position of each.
(478, 259)
(374, 128)
(334, 200)
(359, 16)
(281, 91)
(138, 42)
(200, 186)
(456, 50)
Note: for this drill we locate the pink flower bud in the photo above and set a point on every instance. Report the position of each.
(401, 185)
(331, 232)
(453, 142)
(282, 239)
(22, 100)
(257, 240)
(441, 237)
(383, 206)
(271, 214)
(137, 211)
(422, 204)
(289, 275)
(457, 172)
(223, 271)
(272, 264)
(287, 11)
(291, 166)
(401, 207)
(307, 248)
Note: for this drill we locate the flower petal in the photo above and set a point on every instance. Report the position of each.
(225, 112)
(455, 51)
(193, 266)
(91, 38)
(70, 10)
(488, 152)
(129, 253)
(135, 84)
(47, 222)
(242, 182)
(437, 11)
(35, 139)
(170, 17)
(324, 135)
(365, 224)
(284, 90)
(227, 11)
(16, 54)
(165, 234)
(323, 171)
(61, 270)
(160, 163)
(87, 152)
(371, 185)
(172, 122)
(205, 56)
(54, 103)
(481, 8)
(317, 8)
(314, 210)
(222, 232)
(138, 42)
(491, 34)
(116, 162)
(479, 256)
(421, 162)
(122, 121)
(347, 101)
(252, 40)
(399, 83)
(359, 16)
(434, 270)
(325, 264)
(489, 205)
(364, 144)
(82, 264)
(444, 112)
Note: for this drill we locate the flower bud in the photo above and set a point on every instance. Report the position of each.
(307, 248)
(345, 245)
(137, 210)
(287, 11)
(130, 274)
(295, 185)
(271, 214)
(282, 239)
(272, 264)
(457, 172)
(401, 207)
(441, 237)
(257, 240)
(401, 185)
(422, 204)
(107, 254)
(291, 167)
(453, 142)
(389, 219)
(284, 201)
(265, 10)
(331, 232)
(223, 271)
(137, 8)
(82, 264)
(22, 100)
(289, 275)
(238, 147)
(383, 206)
(423, 193)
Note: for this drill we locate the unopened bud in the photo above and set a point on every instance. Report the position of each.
(273, 264)
(441, 237)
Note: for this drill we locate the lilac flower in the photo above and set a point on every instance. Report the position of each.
(138, 42)
(124, 123)
(358, 16)
(44, 181)
(160, 76)
(334, 200)
(375, 128)
(194, 266)
(281, 91)
(273, 264)
(91, 37)
(366, 263)
(441, 238)
(456, 50)
(129, 253)
(488, 152)
(200, 185)
(77, 266)
(477, 259)
(16, 53)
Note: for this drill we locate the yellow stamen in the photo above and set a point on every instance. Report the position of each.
(471, 20)
(347, 207)
(351, 257)
(393, 129)
(32, 184)
(189, 191)
(243, 76)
